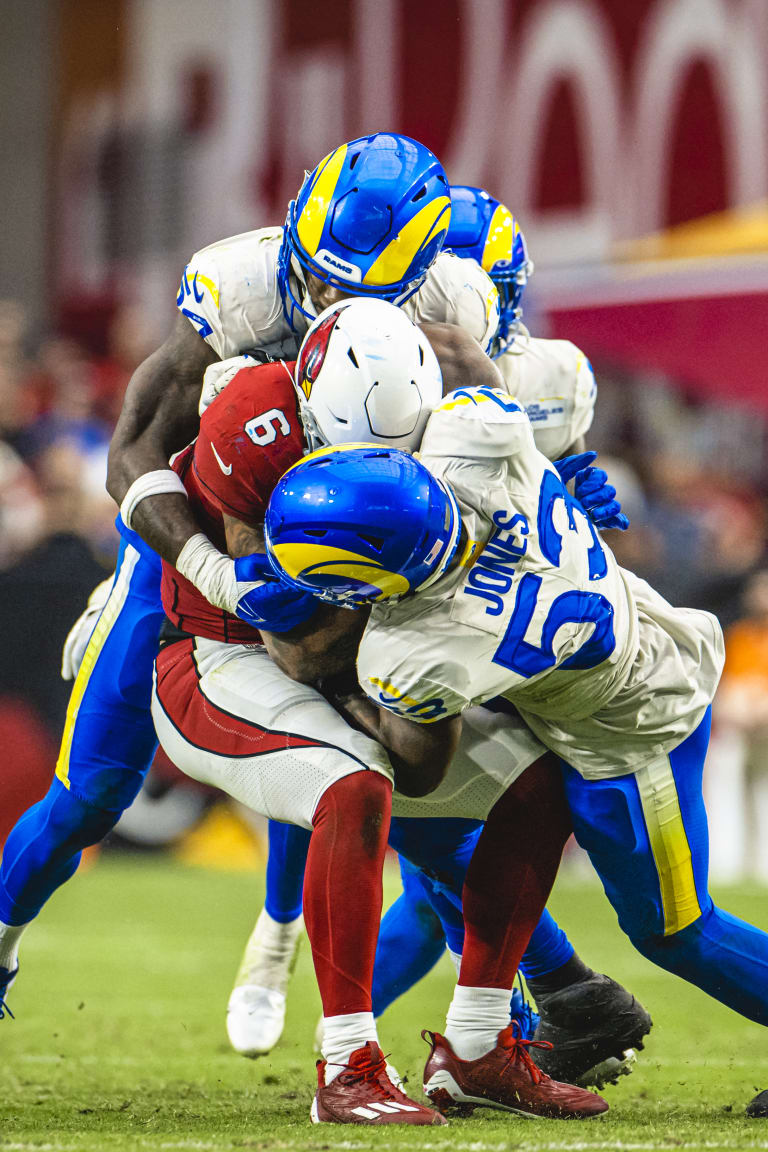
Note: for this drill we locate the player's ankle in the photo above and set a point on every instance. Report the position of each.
(572, 972)
(343, 1035)
(10, 935)
(474, 1020)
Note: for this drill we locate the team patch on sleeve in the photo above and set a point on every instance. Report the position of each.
(198, 299)
(393, 698)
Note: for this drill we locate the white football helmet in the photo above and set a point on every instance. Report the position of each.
(366, 373)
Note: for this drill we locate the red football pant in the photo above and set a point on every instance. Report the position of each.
(511, 873)
(343, 888)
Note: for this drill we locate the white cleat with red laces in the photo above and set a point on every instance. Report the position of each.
(363, 1093)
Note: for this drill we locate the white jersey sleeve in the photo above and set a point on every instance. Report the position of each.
(229, 292)
(457, 291)
(554, 382)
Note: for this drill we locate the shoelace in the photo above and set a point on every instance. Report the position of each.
(369, 1072)
(4, 1008)
(512, 1040)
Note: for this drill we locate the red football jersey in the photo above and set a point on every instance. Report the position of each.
(248, 437)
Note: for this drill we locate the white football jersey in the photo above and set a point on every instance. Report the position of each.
(457, 291)
(229, 292)
(554, 382)
(601, 668)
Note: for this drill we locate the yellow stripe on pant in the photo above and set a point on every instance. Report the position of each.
(669, 845)
(104, 626)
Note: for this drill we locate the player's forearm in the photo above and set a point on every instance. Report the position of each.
(419, 756)
(159, 417)
(462, 361)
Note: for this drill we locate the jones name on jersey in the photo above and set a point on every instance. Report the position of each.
(600, 667)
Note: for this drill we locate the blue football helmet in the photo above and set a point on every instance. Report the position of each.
(359, 523)
(484, 230)
(370, 220)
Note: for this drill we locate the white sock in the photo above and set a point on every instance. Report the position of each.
(475, 1018)
(343, 1035)
(456, 958)
(10, 934)
(269, 953)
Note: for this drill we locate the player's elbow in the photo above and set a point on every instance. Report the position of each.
(116, 486)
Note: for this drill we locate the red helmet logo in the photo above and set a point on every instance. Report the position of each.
(313, 352)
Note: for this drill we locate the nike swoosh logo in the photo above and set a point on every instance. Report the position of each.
(226, 468)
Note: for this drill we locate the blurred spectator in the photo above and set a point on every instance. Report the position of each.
(741, 716)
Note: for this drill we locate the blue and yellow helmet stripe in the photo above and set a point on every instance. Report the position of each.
(370, 220)
(355, 524)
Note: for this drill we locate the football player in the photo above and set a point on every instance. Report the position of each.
(227, 715)
(554, 381)
(369, 220)
(533, 609)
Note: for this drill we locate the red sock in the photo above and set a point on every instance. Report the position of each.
(343, 888)
(511, 874)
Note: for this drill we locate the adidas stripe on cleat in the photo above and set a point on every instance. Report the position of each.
(363, 1093)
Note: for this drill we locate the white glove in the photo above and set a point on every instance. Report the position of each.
(218, 375)
(80, 632)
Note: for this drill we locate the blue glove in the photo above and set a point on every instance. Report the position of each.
(591, 488)
(267, 602)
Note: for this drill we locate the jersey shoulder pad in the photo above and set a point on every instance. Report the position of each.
(477, 422)
(249, 436)
(553, 379)
(458, 291)
(229, 292)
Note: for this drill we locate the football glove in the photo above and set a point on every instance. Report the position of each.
(266, 601)
(592, 490)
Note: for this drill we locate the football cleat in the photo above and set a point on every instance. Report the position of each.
(256, 1008)
(317, 1048)
(757, 1109)
(505, 1078)
(7, 977)
(363, 1093)
(593, 1027)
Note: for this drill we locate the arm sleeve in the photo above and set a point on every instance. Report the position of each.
(399, 686)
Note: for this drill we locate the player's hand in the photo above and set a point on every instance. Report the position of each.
(266, 601)
(591, 488)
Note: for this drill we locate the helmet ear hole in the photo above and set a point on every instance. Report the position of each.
(421, 355)
(353, 358)
(420, 194)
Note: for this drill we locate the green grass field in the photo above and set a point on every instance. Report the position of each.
(119, 1040)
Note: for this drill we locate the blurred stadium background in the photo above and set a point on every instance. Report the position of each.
(631, 140)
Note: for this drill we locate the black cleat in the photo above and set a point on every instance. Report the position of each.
(757, 1109)
(594, 1026)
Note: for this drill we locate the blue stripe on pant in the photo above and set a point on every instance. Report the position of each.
(108, 745)
(646, 835)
